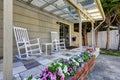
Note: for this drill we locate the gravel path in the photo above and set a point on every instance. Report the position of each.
(106, 68)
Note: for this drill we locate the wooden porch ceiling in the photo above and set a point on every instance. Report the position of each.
(67, 8)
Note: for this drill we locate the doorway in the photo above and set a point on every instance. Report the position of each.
(64, 33)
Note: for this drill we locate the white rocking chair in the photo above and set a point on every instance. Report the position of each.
(59, 44)
(30, 47)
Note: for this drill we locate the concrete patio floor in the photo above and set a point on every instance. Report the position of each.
(106, 68)
(34, 66)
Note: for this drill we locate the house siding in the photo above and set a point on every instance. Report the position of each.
(39, 23)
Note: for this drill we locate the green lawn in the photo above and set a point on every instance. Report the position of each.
(110, 52)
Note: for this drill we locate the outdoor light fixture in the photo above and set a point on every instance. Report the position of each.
(78, 1)
(58, 22)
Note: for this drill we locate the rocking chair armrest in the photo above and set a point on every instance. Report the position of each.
(62, 39)
(20, 42)
(35, 40)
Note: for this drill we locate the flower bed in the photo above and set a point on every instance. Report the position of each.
(83, 73)
(90, 49)
(74, 68)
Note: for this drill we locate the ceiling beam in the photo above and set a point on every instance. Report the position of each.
(74, 11)
(78, 1)
(98, 3)
(48, 3)
(71, 10)
(66, 16)
(66, 12)
(78, 7)
(93, 12)
(63, 7)
(89, 6)
(62, 13)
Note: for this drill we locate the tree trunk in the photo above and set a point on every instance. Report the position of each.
(96, 37)
(108, 31)
(119, 37)
(85, 35)
(108, 37)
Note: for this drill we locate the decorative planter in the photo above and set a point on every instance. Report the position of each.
(83, 72)
(62, 67)
(74, 38)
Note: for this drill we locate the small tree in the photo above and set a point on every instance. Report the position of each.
(109, 7)
(85, 33)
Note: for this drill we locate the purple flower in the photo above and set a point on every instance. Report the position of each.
(83, 64)
(49, 73)
(44, 78)
(75, 68)
(80, 60)
(53, 76)
(89, 55)
(44, 74)
(41, 75)
(46, 69)
(74, 57)
(70, 62)
(59, 73)
(93, 50)
(82, 54)
(62, 78)
(70, 70)
(61, 60)
(65, 60)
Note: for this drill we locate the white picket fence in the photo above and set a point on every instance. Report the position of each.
(102, 38)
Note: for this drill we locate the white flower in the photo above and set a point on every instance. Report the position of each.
(65, 69)
(54, 63)
(78, 55)
(63, 75)
(80, 60)
(75, 62)
(60, 64)
(68, 73)
(60, 69)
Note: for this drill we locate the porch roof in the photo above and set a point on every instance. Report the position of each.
(90, 8)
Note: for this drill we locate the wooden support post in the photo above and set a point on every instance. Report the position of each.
(93, 33)
(7, 39)
(80, 30)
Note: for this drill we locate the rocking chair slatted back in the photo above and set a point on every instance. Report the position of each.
(59, 43)
(54, 37)
(21, 34)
